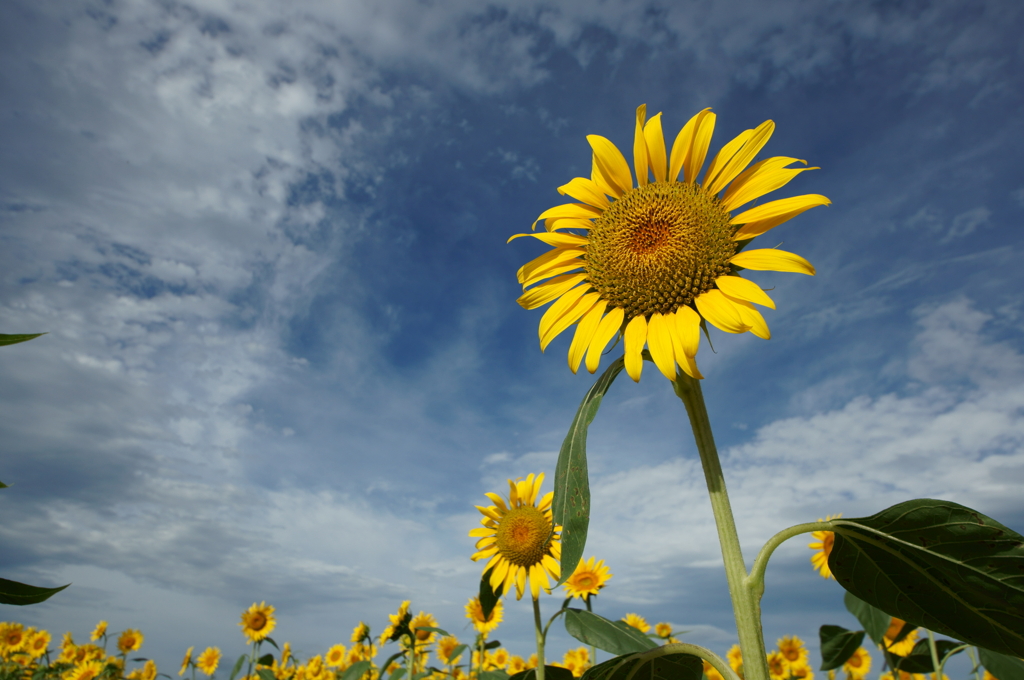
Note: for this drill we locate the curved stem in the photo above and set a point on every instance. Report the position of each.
(745, 599)
(540, 639)
(942, 664)
(756, 577)
(974, 663)
(935, 655)
(716, 661)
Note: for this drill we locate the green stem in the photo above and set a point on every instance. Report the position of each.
(593, 649)
(756, 578)
(540, 639)
(745, 594)
(974, 663)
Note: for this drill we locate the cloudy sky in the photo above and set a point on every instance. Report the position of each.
(284, 360)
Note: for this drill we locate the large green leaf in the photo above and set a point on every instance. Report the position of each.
(660, 663)
(550, 673)
(12, 592)
(571, 504)
(875, 621)
(919, 660)
(616, 637)
(1001, 666)
(938, 565)
(14, 339)
(488, 596)
(838, 645)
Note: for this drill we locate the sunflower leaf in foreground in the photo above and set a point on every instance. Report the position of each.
(14, 339)
(615, 637)
(1002, 666)
(875, 621)
(660, 663)
(838, 645)
(571, 505)
(488, 596)
(550, 673)
(13, 592)
(940, 566)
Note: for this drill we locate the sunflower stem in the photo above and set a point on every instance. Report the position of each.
(756, 577)
(935, 655)
(593, 649)
(540, 639)
(745, 596)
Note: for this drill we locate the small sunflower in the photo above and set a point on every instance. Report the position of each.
(519, 538)
(475, 613)
(13, 637)
(663, 630)
(208, 660)
(823, 544)
(735, 657)
(335, 656)
(711, 672)
(777, 668)
(149, 670)
(87, 670)
(37, 644)
(500, 657)
(258, 621)
(516, 664)
(661, 258)
(793, 652)
(588, 579)
(360, 632)
(395, 623)
(637, 621)
(99, 631)
(423, 620)
(186, 661)
(802, 672)
(130, 641)
(446, 646)
(858, 665)
(904, 646)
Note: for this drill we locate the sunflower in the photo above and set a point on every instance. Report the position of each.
(130, 641)
(13, 637)
(823, 544)
(208, 660)
(475, 613)
(777, 668)
(38, 643)
(663, 630)
(360, 632)
(793, 652)
(588, 579)
(519, 538)
(446, 646)
(858, 665)
(661, 258)
(335, 656)
(802, 672)
(735, 656)
(149, 670)
(258, 621)
(396, 621)
(516, 664)
(711, 672)
(87, 670)
(637, 621)
(423, 620)
(904, 646)
(186, 661)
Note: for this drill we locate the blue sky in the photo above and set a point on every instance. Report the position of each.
(284, 356)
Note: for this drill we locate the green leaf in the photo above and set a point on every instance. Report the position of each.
(265, 674)
(356, 670)
(498, 675)
(271, 641)
(550, 673)
(3, 486)
(920, 658)
(492, 644)
(655, 664)
(458, 651)
(12, 592)
(875, 621)
(238, 667)
(838, 645)
(616, 637)
(433, 629)
(14, 339)
(940, 566)
(488, 596)
(397, 674)
(1001, 666)
(266, 660)
(571, 504)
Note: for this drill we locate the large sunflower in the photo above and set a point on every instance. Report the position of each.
(656, 260)
(519, 538)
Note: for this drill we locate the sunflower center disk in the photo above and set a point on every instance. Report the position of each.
(524, 536)
(659, 247)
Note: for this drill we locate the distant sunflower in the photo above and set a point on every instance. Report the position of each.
(735, 656)
(823, 544)
(588, 579)
(335, 656)
(130, 640)
(258, 621)
(658, 259)
(99, 631)
(777, 668)
(446, 646)
(360, 632)
(904, 646)
(37, 644)
(793, 652)
(711, 672)
(149, 670)
(663, 630)
(13, 637)
(475, 613)
(858, 665)
(423, 620)
(186, 661)
(637, 621)
(395, 622)
(519, 539)
(87, 670)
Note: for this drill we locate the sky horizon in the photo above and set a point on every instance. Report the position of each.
(284, 358)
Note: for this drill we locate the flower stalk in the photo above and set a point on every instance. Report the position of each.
(540, 639)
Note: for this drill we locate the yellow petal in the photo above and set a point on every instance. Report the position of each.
(735, 165)
(612, 163)
(560, 307)
(640, 147)
(490, 512)
(545, 502)
(597, 177)
(714, 306)
(686, 362)
(486, 542)
(571, 316)
(549, 290)
(761, 178)
(499, 573)
(724, 154)
(520, 582)
(655, 138)
(783, 206)
(553, 239)
(536, 488)
(551, 258)
(606, 330)
(753, 318)
(498, 501)
(771, 259)
(578, 210)
(481, 531)
(744, 289)
(659, 340)
(758, 227)
(567, 223)
(585, 190)
(634, 339)
(551, 565)
(683, 146)
(688, 327)
(584, 333)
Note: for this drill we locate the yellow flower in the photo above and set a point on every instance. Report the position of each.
(735, 656)
(99, 631)
(802, 672)
(637, 622)
(500, 657)
(516, 664)
(660, 258)
(445, 647)
(87, 670)
(793, 652)
(858, 665)
(360, 632)
(258, 621)
(208, 660)
(531, 662)
(395, 620)
(663, 630)
(149, 670)
(423, 620)
(520, 538)
(286, 653)
(777, 668)
(38, 643)
(130, 641)
(475, 613)
(823, 544)
(711, 672)
(13, 637)
(588, 579)
(335, 656)
(904, 646)
(186, 661)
